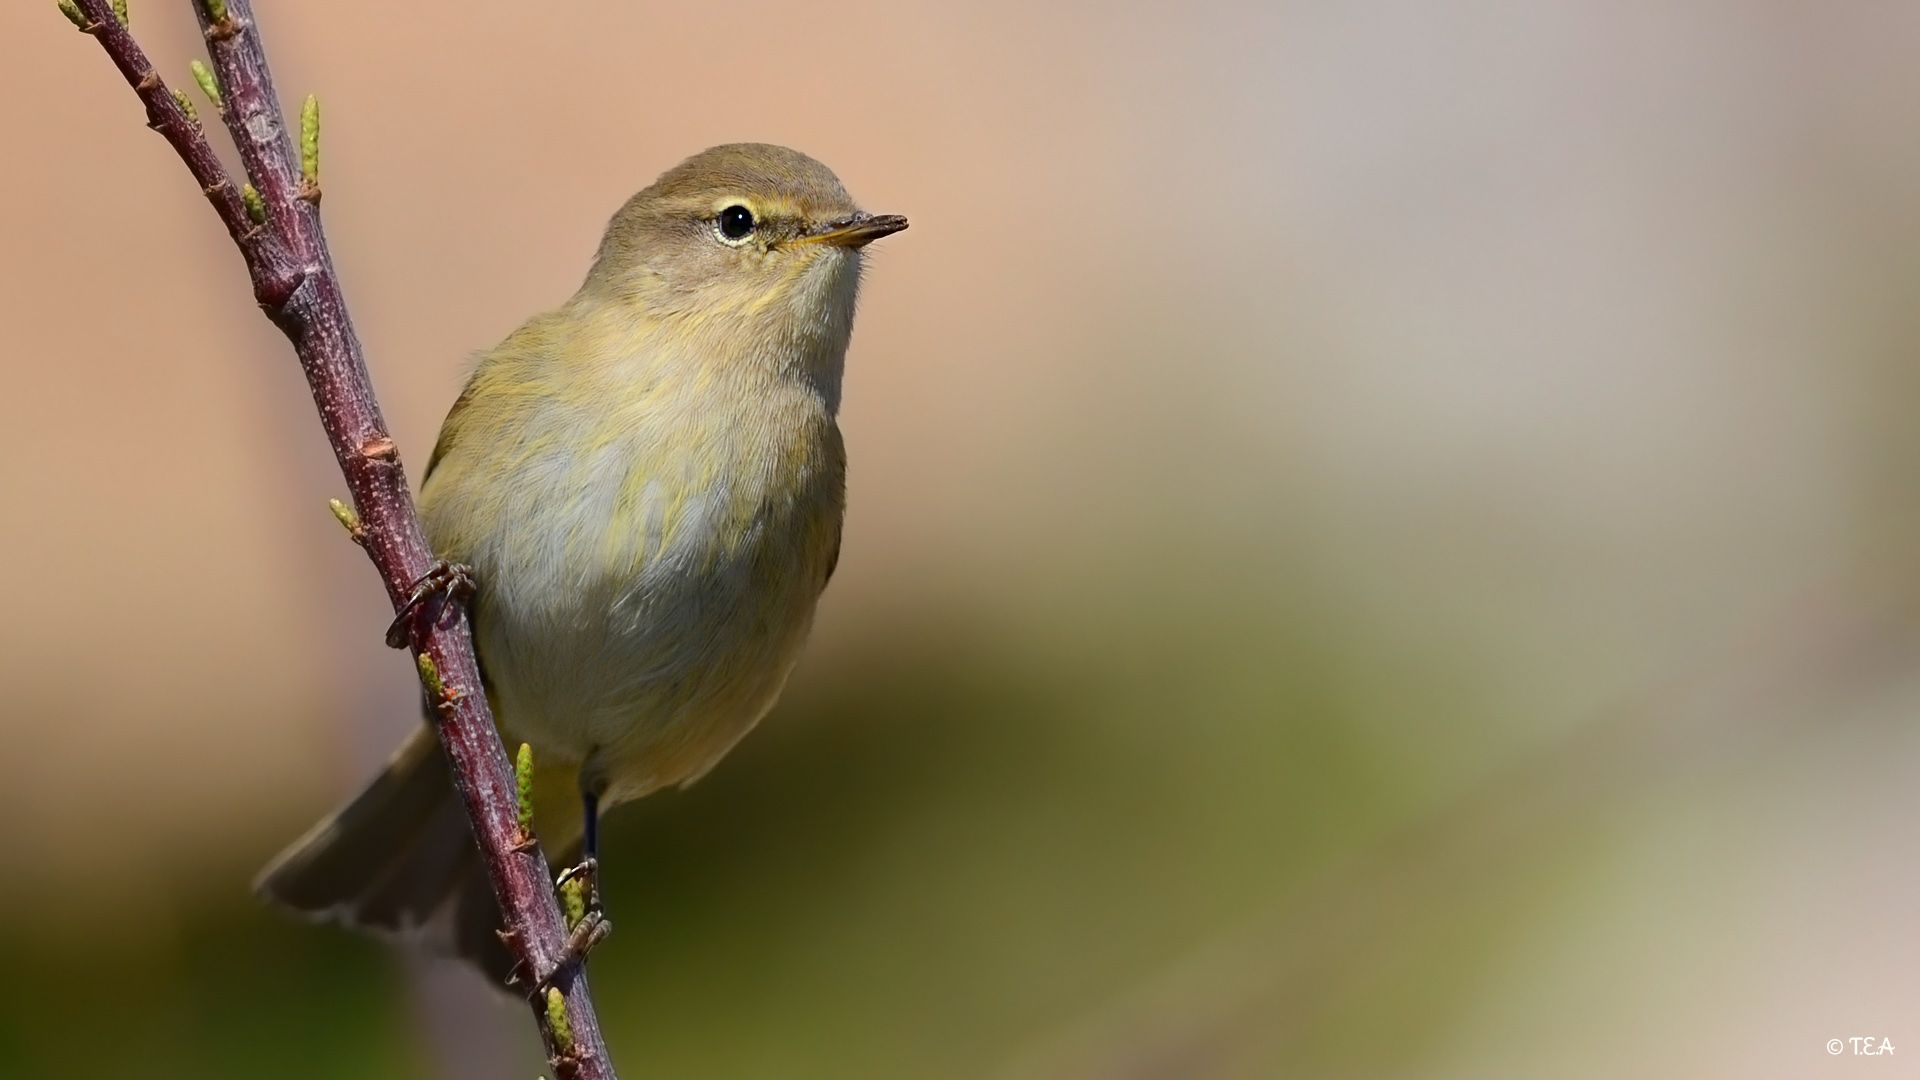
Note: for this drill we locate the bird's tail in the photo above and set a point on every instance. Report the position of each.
(399, 859)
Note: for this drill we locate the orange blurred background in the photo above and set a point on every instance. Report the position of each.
(1303, 455)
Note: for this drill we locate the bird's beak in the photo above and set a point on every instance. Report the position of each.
(856, 230)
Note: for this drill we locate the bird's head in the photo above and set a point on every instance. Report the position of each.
(750, 233)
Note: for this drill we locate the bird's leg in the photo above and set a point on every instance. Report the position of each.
(591, 931)
(442, 579)
(581, 903)
(581, 940)
(579, 889)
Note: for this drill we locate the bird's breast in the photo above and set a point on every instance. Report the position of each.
(648, 565)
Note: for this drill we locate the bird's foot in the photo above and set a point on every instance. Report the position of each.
(587, 925)
(589, 932)
(579, 889)
(444, 581)
(581, 940)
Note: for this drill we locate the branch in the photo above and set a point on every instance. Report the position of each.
(274, 218)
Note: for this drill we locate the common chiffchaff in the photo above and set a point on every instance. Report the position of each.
(648, 483)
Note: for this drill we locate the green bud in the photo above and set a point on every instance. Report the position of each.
(186, 105)
(208, 84)
(217, 10)
(120, 11)
(523, 781)
(256, 206)
(73, 13)
(346, 515)
(573, 901)
(430, 678)
(557, 1020)
(310, 140)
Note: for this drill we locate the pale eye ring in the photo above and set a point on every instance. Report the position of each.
(735, 223)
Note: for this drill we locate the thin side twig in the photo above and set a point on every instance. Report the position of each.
(166, 115)
(276, 225)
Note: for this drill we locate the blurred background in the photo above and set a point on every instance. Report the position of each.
(1380, 543)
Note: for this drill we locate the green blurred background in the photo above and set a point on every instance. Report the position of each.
(1380, 544)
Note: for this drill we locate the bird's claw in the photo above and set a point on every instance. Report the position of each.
(588, 868)
(588, 933)
(445, 580)
(583, 900)
(580, 906)
(591, 931)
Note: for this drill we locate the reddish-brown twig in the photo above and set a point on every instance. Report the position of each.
(274, 218)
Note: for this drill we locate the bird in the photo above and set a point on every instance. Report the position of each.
(646, 485)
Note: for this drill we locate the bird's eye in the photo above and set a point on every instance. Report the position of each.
(736, 222)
